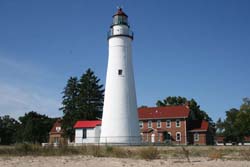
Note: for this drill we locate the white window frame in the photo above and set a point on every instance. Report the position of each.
(141, 135)
(168, 121)
(176, 138)
(179, 122)
(141, 124)
(170, 137)
(158, 124)
(196, 136)
(159, 137)
(169, 134)
(150, 123)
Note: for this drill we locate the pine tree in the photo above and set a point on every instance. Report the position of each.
(70, 107)
(82, 100)
(91, 96)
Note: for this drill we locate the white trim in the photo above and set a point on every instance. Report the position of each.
(185, 126)
(168, 120)
(159, 137)
(141, 124)
(163, 118)
(158, 121)
(196, 136)
(150, 124)
(176, 136)
(170, 135)
(179, 123)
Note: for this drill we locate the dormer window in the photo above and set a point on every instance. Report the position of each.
(58, 129)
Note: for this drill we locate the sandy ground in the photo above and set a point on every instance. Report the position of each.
(88, 161)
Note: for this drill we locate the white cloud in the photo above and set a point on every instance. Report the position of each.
(15, 101)
(22, 89)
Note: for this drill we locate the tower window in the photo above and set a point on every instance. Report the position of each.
(119, 72)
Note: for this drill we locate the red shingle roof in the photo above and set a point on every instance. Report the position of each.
(56, 127)
(163, 112)
(199, 125)
(120, 12)
(87, 124)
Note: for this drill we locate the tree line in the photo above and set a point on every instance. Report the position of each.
(197, 112)
(236, 126)
(32, 127)
(83, 100)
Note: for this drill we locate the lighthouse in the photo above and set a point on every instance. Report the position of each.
(120, 118)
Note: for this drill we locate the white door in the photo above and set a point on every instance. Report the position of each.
(153, 138)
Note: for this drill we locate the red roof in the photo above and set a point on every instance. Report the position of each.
(199, 125)
(56, 127)
(163, 112)
(87, 124)
(120, 13)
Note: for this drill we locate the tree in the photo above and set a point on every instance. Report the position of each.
(90, 96)
(172, 101)
(237, 123)
(70, 107)
(231, 132)
(8, 130)
(82, 100)
(242, 122)
(34, 127)
(193, 105)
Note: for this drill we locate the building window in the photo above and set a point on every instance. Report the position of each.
(158, 123)
(168, 123)
(149, 124)
(84, 133)
(58, 129)
(196, 137)
(178, 136)
(56, 140)
(120, 72)
(141, 136)
(141, 124)
(178, 123)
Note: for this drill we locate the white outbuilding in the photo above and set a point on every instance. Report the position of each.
(87, 131)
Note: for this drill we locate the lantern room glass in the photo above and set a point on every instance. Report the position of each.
(119, 19)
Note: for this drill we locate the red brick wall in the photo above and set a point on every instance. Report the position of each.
(173, 130)
(202, 139)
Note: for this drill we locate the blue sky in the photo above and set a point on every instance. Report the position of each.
(198, 49)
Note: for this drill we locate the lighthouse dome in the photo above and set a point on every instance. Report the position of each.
(120, 18)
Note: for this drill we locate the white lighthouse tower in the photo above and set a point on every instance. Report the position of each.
(120, 118)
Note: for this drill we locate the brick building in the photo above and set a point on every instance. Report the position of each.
(56, 134)
(173, 124)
